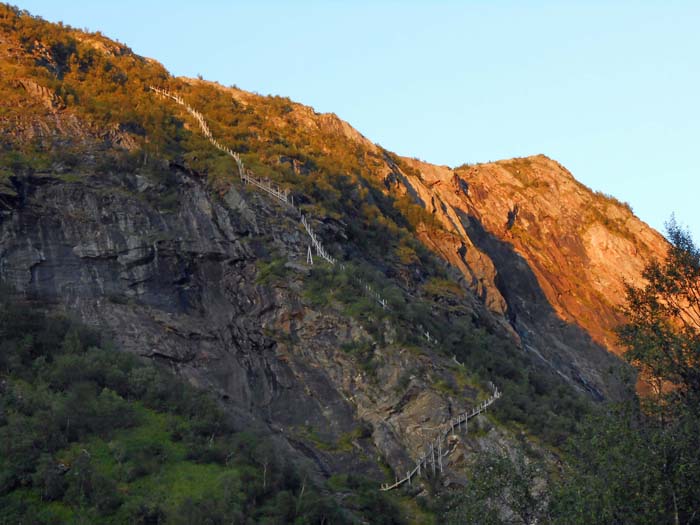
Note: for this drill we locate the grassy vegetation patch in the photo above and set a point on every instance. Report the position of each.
(93, 435)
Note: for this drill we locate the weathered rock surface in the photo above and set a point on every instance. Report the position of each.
(178, 285)
(170, 271)
(539, 249)
(542, 249)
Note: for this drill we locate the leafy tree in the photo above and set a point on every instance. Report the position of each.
(501, 490)
(640, 463)
(636, 463)
(663, 333)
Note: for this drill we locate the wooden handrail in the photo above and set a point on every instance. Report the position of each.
(429, 457)
(248, 176)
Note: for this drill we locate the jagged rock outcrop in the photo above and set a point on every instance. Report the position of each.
(582, 246)
(542, 249)
(178, 285)
(537, 247)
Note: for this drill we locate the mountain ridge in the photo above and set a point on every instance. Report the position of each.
(616, 217)
(115, 208)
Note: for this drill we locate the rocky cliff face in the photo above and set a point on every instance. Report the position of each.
(177, 284)
(534, 244)
(143, 232)
(541, 248)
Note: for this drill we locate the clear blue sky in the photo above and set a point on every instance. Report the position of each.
(609, 89)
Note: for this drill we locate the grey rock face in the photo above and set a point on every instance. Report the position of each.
(173, 278)
(177, 284)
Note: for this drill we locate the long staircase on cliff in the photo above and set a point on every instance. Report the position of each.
(432, 457)
(434, 454)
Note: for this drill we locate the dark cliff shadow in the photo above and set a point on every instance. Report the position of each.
(561, 345)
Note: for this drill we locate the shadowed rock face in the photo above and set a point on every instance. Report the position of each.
(581, 246)
(177, 284)
(565, 346)
(542, 249)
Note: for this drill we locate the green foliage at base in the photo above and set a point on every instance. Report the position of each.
(639, 463)
(623, 466)
(500, 489)
(88, 434)
(628, 467)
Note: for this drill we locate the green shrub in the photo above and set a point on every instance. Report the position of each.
(92, 434)
(271, 271)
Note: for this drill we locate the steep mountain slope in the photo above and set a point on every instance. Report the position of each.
(532, 243)
(578, 247)
(561, 252)
(89, 435)
(115, 208)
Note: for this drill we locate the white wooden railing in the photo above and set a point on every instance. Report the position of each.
(320, 250)
(434, 453)
(247, 176)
